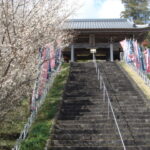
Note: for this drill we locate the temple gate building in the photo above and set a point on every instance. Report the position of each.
(103, 35)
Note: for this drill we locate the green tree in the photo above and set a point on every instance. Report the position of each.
(138, 10)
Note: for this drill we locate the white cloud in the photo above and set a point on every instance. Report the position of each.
(111, 9)
(96, 8)
(85, 8)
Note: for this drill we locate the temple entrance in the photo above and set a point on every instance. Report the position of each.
(104, 35)
(85, 54)
(101, 54)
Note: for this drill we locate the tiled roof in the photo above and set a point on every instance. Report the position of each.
(99, 24)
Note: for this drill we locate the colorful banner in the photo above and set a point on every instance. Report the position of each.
(147, 59)
(133, 53)
(48, 60)
(48, 63)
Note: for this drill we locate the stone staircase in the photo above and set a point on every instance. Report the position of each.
(7, 141)
(83, 122)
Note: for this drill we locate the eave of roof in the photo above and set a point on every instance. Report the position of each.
(102, 24)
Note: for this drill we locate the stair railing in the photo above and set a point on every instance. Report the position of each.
(106, 98)
(140, 73)
(33, 115)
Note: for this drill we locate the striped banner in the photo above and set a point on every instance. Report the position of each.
(147, 59)
(134, 53)
(49, 58)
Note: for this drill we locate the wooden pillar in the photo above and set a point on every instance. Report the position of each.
(111, 51)
(92, 40)
(72, 53)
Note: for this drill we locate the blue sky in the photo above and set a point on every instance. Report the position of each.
(98, 8)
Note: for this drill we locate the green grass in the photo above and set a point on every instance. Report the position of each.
(40, 130)
(137, 79)
(8, 143)
(15, 119)
(13, 123)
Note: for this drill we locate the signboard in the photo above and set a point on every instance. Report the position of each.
(93, 50)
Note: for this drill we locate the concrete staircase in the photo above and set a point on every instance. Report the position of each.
(83, 122)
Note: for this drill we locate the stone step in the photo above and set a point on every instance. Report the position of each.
(77, 101)
(99, 142)
(132, 132)
(5, 148)
(85, 85)
(101, 101)
(86, 143)
(108, 123)
(100, 107)
(93, 108)
(122, 100)
(87, 95)
(100, 126)
(100, 111)
(86, 136)
(88, 90)
(7, 144)
(101, 130)
(83, 107)
(101, 116)
(142, 147)
(83, 120)
(130, 121)
(88, 131)
(83, 81)
(105, 136)
(82, 85)
(104, 112)
(114, 97)
(8, 136)
(85, 78)
(80, 97)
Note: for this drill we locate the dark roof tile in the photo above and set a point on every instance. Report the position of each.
(98, 24)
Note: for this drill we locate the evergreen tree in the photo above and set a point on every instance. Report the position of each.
(138, 10)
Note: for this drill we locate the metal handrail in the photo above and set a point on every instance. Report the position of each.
(140, 73)
(106, 96)
(33, 115)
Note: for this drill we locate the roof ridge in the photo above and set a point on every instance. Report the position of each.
(113, 23)
(97, 19)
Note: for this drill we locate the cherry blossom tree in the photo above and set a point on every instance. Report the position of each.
(25, 26)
